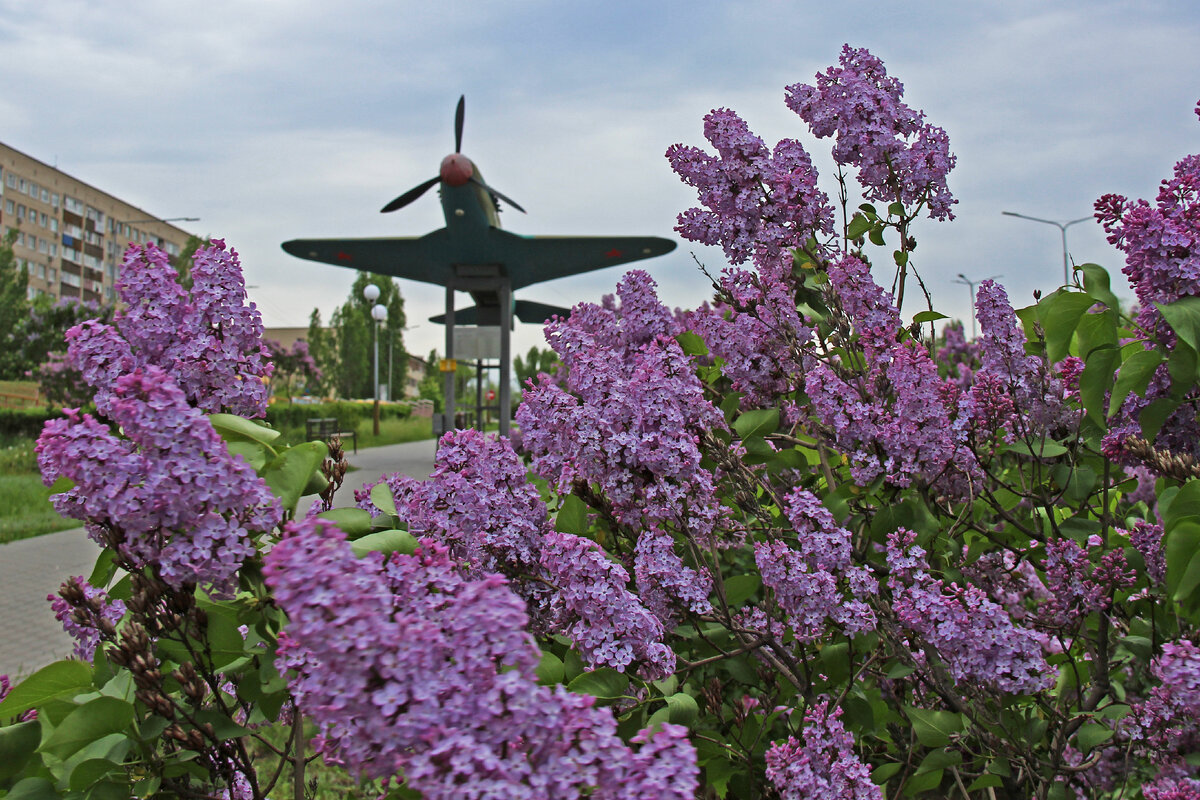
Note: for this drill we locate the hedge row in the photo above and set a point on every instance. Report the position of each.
(24, 422)
(286, 415)
(28, 422)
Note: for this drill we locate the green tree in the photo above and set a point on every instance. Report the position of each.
(14, 309)
(324, 352)
(535, 361)
(351, 325)
(431, 387)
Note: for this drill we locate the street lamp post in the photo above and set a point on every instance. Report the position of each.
(378, 315)
(970, 284)
(1062, 227)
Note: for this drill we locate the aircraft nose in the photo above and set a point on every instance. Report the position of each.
(456, 169)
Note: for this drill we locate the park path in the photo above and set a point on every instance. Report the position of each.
(30, 569)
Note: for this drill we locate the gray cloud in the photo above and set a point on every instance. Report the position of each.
(277, 119)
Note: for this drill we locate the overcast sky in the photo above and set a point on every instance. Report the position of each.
(277, 119)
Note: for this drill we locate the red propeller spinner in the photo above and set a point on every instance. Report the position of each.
(456, 170)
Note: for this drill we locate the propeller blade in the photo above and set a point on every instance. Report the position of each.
(409, 196)
(458, 123)
(499, 196)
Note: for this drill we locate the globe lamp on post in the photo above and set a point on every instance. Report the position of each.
(371, 294)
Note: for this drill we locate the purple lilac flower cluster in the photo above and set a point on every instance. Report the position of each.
(477, 502)
(608, 624)
(974, 636)
(409, 666)
(209, 340)
(807, 581)
(630, 416)
(1161, 242)
(1167, 722)
(957, 356)
(1075, 587)
(898, 155)
(1007, 370)
(822, 764)
(890, 420)
(664, 582)
(1147, 539)
(166, 493)
(755, 345)
(1180, 433)
(479, 505)
(83, 622)
(758, 203)
(1172, 788)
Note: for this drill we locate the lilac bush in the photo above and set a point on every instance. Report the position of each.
(789, 544)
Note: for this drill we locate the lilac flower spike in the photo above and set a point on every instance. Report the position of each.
(822, 764)
(407, 666)
(899, 156)
(169, 490)
(208, 339)
(757, 202)
(974, 636)
(817, 580)
(479, 504)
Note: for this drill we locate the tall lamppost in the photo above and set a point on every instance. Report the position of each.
(1062, 227)
(378, 315)
(970, 284)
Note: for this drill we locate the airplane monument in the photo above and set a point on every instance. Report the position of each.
(473, 254)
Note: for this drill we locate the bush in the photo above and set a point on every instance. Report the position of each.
(774, 553)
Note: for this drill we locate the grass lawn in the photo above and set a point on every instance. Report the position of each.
(25, 509)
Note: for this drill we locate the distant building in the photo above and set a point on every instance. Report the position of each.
(70, 234)
(417, 369)
(286, 337)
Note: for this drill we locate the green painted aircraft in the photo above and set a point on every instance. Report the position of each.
(473, 238)
(473, 254)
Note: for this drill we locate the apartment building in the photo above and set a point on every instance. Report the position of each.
(70, 234)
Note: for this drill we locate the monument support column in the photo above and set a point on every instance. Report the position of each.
(506, 322)
(448, 385)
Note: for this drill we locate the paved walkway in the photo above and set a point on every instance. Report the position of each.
(30, 569)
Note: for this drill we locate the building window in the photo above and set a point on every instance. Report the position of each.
(9, 207)
(12, 181)
(71, 280)
(21, 186)
(54, 225)
(41, 272)
(43, 246)
(43, 216)
(45, 195)
(53, 274)
(54, 200)
(53, 249)
(20, 212)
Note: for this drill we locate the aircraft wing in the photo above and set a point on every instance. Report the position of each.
(415, 258)
(533, 259)
(528, 311)
(527, 259)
